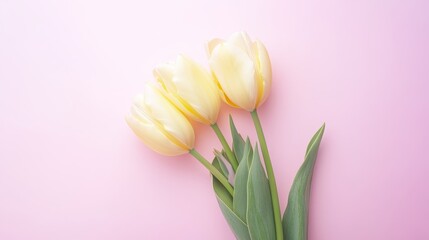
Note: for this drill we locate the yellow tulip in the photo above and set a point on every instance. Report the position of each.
(191, 88)
(242, 69)
(159, 124)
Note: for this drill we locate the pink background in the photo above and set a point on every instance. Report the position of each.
(71, 169)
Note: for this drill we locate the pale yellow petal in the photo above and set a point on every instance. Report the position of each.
(153, 138)
(168, 116)
(241, 40)
(164, 74)
(212, 44)
(263, 66)
(235, 72)
(197, 88)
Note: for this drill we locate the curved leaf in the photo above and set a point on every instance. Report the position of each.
(237, 225)
(240, 184)
(260, 218)
(237, 140)
(220, 190)
(295, 218)
(222, 161)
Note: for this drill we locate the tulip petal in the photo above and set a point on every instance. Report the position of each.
(167, 116)
(235, 73)
(212, 44)
(164, 74)
(263, 66)
(197, 89)
(241, 40)
(152, 138)
(191, 88)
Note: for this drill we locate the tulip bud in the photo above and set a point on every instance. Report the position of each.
(191, 88)
(242, 69)
(159, 124)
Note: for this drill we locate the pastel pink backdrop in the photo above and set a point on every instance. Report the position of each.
(71, 169)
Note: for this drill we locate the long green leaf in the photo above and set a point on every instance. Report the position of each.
(222, 161)
(219, 189)
(295, 218)
(240, 183)
(260, 218)
(237, 225)
(237, 140)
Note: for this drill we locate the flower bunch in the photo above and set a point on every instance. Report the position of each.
(240, 75)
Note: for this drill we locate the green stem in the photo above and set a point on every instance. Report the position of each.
(270, 173)
(218, 175)
(231, 156)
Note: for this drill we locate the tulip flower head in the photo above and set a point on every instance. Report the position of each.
(242, 69)
(159, 124)
(191, 88)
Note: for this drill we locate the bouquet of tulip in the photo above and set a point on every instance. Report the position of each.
(246, 191)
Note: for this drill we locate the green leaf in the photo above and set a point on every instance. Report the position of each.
(250, 157)
(295, 218)
(222, 162)
(240, 183)
(219, 189)
(237, 225)
(260, 218)
(237, 140)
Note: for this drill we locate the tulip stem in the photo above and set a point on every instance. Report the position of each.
(231, 156)
(270, 173)
(218, 175)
